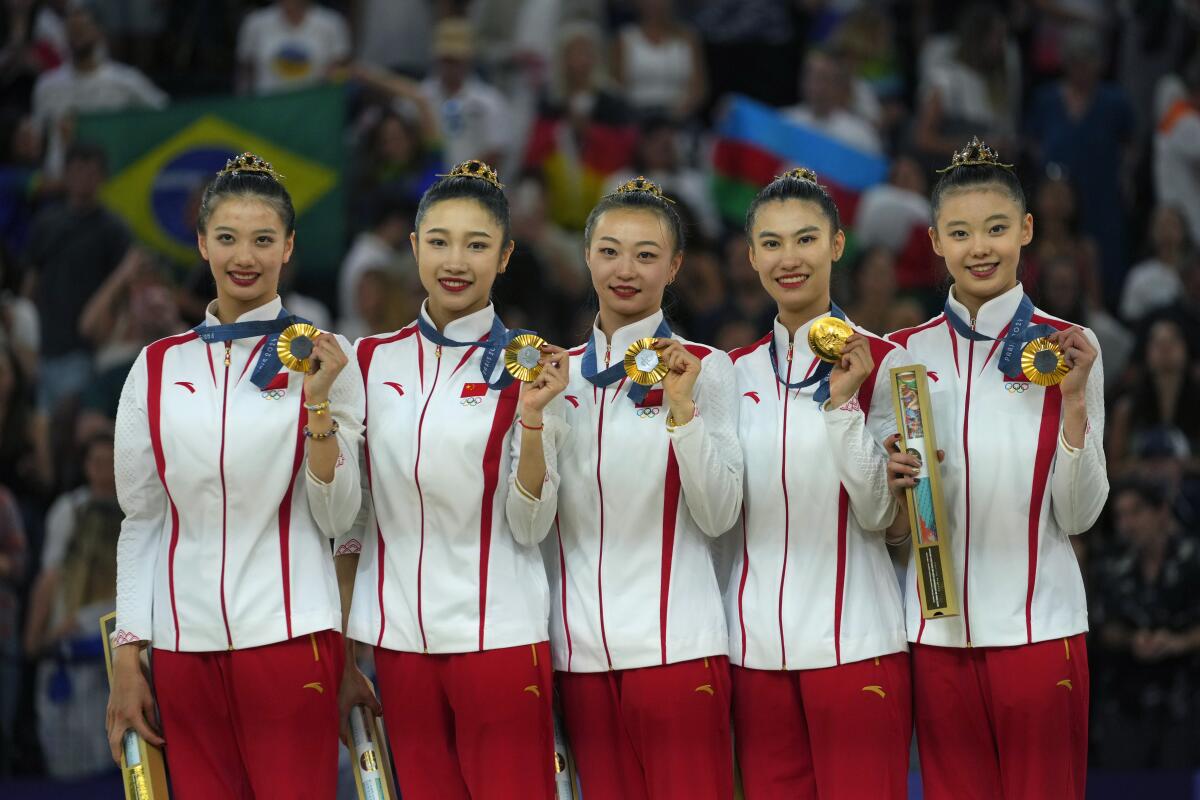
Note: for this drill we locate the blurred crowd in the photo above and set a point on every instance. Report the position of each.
(1095, 102)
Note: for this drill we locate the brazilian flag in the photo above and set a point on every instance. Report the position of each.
(158, 159)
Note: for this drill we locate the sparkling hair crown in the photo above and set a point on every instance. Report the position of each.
(800, 174)
(474, 168)
(248, 162)
(641, 184)
(976, 153)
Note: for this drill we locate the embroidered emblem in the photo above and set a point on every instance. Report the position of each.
(351, 546)
(1016, 387)
(125, 637)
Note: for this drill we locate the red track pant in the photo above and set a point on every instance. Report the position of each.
(656, 733)
(470, 726)
(840, 732)
(1003, 722)
(256, 723)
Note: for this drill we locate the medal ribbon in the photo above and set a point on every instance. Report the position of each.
(268, 365)
(1020, 333)
(497, 339)
(822, 372)
(609, 376)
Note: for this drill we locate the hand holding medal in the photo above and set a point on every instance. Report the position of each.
(548, 376)
(676, 368)
(304, 348)
(1073, 357)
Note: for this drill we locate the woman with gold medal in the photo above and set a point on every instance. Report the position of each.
(821, 684)
(636, 468)
(454, 603)
(236, 451)
(1001, 690)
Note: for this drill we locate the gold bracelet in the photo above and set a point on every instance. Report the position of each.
(317, 408)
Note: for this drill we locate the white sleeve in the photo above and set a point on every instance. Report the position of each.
(143, 91)
(248, 38)
(144, 502)
(351, 541)
(334, 505)
(339, 35)
(708, 451)
(1079, 484)
(529, 517)
(857, 435)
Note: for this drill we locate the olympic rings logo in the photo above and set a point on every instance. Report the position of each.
(274, 394)
(471, 401)
(646, 413)
(1016, 388)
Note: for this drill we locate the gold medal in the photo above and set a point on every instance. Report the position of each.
(827, 336)
(1043, 362)
(296, 345)
(522, 357)
(643, 364)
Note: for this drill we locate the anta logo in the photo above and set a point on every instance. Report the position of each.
(399, 389)
(277, 388)
(753, 396)
(651, 405)
(473, 394)
(573, 400)
(187, 385)
(932, 375)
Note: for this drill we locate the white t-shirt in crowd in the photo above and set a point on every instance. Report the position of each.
(887, 215)
(474, 120)
(1151, 284)
(841, 125)
(1177, 166)
(286, 56)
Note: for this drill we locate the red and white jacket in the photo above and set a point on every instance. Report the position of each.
(631, 509)
(812, 585)
(225, 542)
(439, 571)
(1014, 490)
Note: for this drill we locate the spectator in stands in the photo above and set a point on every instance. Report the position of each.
(867, 40)
(393, 34)
(1147, 616)
(1177, 151)
(1163, 393)
(970, 85)
(873, 296)
(290, 44)
(583, 134)
(73, 248)
(27, 49)
(889, 213)
(659, 61)
(1155, 282)
(89, 81)
(1165, 458)
(383, 247)
(474, 116)
(1060, 236)
(19, 326)
(1086, 125)
(826, 86)
(12, 578)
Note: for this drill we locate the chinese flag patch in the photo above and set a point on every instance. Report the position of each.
(280, 381)
(653, 399)
(474, 390)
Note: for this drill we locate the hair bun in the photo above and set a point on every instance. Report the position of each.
(976, 153)
(248, 162)
(474, 168)
(800, 174)
(642, 184)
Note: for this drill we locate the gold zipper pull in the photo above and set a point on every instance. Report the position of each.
(607, 353)
(789, 357)
(437, 351)
(228, 347)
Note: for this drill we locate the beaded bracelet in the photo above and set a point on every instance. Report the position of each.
(310, 435)
(521, 422)
(317, 408)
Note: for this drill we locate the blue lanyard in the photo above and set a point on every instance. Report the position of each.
(1020, 333)
(822, 372)
(497, 339)
(609, 376)
(268, 365)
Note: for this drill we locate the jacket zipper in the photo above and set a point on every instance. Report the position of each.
(600, 488)
(224, 499)
(786, 507)
(967, 472)
(437, 353)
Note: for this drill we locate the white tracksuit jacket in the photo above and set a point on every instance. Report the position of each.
(1014, 491)
(812, 585)
(226, 538)
(631, 509)
(440, 571)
